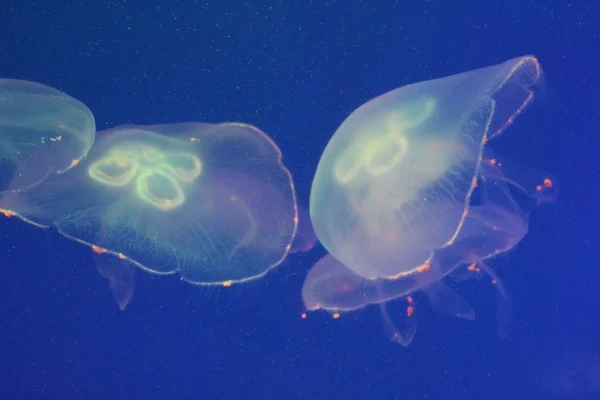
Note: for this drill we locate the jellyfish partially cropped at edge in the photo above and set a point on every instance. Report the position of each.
(407, 193)
(43, 132)
(212, 202)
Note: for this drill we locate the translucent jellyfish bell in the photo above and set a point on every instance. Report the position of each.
(393, 196)
(42, 132)
(212, 202)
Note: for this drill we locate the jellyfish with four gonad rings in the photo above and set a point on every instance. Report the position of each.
(43, 132)
(211, 202)
(408, 194)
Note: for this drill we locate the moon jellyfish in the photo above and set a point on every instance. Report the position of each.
(214, 203)
(407, 193)
(43, 131)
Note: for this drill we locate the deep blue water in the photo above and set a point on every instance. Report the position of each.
(296, 69)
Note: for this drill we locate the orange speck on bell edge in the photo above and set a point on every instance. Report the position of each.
(227, 284)
(7, 213)
(336, 316)
(98, 250)
(424, 267)
(74, 163)
(546, 184)
(473, 268)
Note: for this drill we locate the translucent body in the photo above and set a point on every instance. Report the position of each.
(391, 198)
(42, 131)
(120, 275)
(212, 202)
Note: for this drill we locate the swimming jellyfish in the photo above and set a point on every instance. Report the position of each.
(212, 202)
(43, 131)
(408, 193)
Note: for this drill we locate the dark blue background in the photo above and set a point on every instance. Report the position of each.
(296, 69)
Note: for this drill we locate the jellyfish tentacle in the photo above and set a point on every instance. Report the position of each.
(445, 301)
